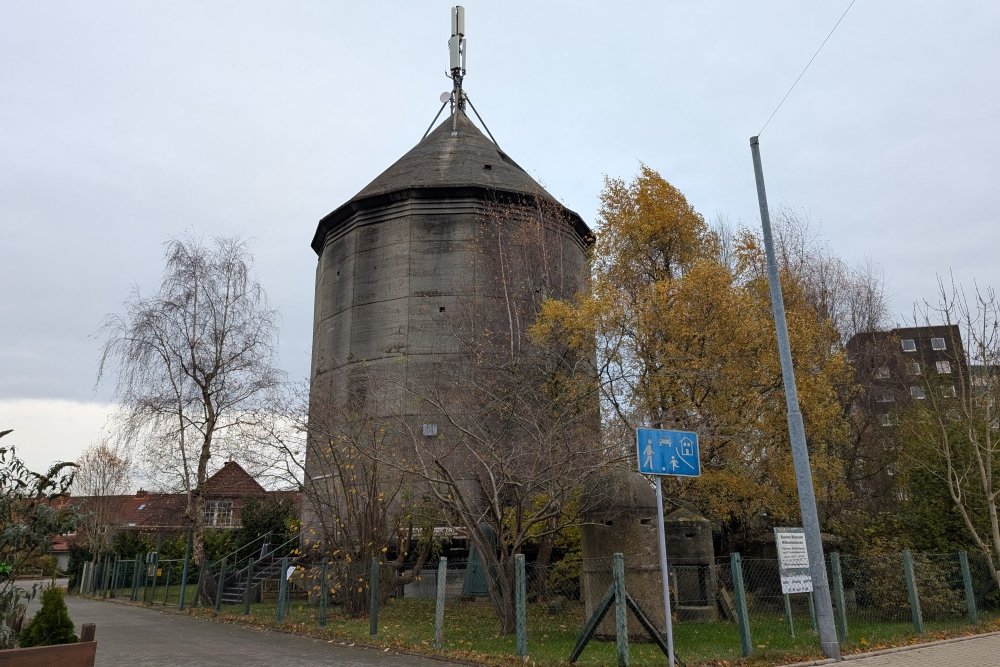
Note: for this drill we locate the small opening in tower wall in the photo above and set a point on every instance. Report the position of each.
(645, 522)
(488, 166)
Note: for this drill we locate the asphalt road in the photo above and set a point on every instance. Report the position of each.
(141, 637)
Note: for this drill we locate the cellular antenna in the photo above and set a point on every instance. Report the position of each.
(456, 49)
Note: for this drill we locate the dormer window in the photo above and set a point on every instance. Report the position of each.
(937, 344)
(909, 345)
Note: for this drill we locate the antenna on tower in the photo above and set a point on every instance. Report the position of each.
(456, 49)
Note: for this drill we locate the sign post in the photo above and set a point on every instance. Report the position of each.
(793, 566)
(793, 560)
(673, 453)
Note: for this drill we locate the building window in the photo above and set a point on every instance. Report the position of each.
(430, 430)
(949, 392)
(943, 366)
(937, 344)
(884, 396)
(909, 345)
(913, 368)
(885, 420)
(219, 513)
(916, 392)
(882, 373)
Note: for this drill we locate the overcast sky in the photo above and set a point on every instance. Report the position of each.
(122, 124)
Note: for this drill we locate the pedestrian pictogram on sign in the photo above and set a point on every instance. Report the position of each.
(668, 452)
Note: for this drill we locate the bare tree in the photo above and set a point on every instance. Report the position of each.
(518, 414)
(355, 507)
(102, 472)
(955, 423)
(194, 363)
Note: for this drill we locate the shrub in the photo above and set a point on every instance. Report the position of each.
(564, 577)
(51, 625)
(47, 564)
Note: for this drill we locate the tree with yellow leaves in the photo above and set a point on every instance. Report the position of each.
(684, 340)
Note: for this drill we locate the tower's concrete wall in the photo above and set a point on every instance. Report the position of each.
(403, 289)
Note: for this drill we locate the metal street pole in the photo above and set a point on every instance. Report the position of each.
(664, 571)
(800, 453)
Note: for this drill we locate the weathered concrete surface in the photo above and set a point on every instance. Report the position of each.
(141, 637)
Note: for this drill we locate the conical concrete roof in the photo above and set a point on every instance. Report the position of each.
(442, 163)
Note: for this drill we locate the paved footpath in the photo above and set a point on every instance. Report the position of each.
(140, 637)
(983, 651)
(972, 652)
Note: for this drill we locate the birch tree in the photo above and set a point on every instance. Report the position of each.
(102, 472)
(954, 428)
(193, 363)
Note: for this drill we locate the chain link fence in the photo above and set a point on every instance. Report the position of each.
(721, 610)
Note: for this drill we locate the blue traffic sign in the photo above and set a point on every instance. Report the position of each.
(668, 452)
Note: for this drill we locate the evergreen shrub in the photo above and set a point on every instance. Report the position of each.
(51, 625)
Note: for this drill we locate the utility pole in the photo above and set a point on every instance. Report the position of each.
(797, 433)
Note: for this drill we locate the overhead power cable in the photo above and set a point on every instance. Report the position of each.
(807, 66)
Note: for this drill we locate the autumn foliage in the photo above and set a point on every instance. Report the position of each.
(684, 338)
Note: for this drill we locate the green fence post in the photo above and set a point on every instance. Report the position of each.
(520, 610)
(156, 574)
(742, 615)
(166, 586)
(812, 612)
(134, 594)
(324, 592)
(246, 593)
(838, 594)
(970, 594)
(200, 588)
(222, 585)
(140, 575)
(147, 559)
(911, 589)
(282, 588)
(82, 586)
(373, 586)
(788, 615)
(120, 569)
(439, 604)
(184, 574)
(621, 610)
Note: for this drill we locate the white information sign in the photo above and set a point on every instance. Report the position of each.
(793, 560)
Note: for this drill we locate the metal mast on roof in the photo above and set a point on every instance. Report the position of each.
(457, 48)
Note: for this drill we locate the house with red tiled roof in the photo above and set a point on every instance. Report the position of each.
(163, 513)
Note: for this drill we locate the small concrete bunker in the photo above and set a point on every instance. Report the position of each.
(620, 517)
(691, 555)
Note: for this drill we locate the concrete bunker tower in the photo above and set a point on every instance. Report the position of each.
(403, 261)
